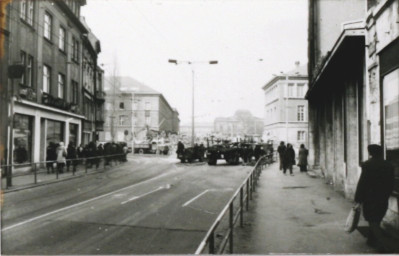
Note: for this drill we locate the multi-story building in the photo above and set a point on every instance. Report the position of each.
(136, 111)
(200, 129)
(46, 39)
(239, 125)
(354, 89)
(286, 109)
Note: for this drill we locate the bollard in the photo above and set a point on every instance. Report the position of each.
(35, 172)
(56, 172)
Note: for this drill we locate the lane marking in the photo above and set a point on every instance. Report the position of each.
(81, 203)
(143, 195)
(195, 198)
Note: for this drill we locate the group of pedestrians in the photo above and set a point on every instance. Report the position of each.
(58, 156)
(287, 158)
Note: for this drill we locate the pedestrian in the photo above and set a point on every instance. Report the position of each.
(288, 159)
(303, 158)
(100, 154)
(281, 151)
(61, 157)
(71, 156)
(372, 193)
(51, 156)
(80, 153)
(124, 149)
(180, 148)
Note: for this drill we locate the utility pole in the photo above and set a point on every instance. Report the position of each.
(212, 62)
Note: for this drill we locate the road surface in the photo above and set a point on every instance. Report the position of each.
(148, 205)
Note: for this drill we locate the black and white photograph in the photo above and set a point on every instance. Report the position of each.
(188, 127)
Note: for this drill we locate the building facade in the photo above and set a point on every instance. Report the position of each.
(286, 109)
(354, 90)
(135, 111)
(201, 129)
(46, 39)
(241, 124)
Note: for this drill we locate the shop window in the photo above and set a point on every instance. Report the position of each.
(55, 132)
(23, 130)
(73, 134)
(391, 119)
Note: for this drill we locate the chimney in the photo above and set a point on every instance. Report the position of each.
(297, 63)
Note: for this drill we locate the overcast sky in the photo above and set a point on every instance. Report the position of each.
(140, 36)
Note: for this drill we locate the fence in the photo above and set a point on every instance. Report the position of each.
(48, 170)
(244, 192)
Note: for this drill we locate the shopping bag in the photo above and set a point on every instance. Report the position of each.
(353, 219)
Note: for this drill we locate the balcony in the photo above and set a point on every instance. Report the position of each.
(51, 101)
(100, 96)
(27, 93)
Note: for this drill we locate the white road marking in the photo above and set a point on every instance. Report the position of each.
(143, 195)
(195, 198)
(81, 203)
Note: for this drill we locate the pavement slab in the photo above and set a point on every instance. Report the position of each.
(297, 214)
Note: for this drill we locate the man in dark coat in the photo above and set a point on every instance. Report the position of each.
(373, 190)
(71, 156)
(288, 159)
(51, 156)
(281, 150)
(180, 148)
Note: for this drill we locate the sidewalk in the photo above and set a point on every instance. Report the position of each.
(298, 214)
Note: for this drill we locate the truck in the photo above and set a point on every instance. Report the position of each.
(191, 154)
(230, 152)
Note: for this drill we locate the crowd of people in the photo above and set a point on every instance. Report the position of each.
(58, 156)
(287, 158)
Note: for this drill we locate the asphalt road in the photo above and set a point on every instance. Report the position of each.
(146, 206)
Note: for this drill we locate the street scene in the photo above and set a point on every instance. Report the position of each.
(199, 127)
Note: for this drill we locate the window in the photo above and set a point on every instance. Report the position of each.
(301, 113)
(22, 145)
(61, 39)
(48, 20)
(301, 135)
(75, 49)
(23, 61)
(22, 5)
(75, 92)
(148, 120)
(148, 106)
(290, 90)
(30, 13)
(300, 90)
(122, 120)
(46, 79)
(121, 105)
(29, 72)
(61, 86)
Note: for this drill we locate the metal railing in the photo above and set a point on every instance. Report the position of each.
(244, 192)
(44, 167)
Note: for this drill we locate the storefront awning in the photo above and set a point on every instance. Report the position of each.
(349, 47)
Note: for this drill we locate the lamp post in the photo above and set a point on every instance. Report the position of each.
(211, 62)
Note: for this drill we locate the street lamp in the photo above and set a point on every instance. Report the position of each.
(211, 62)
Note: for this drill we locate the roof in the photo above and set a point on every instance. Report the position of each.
(300, 71)
(129, 85)
(93, 40)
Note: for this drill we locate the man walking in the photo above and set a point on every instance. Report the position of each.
(281, 150)
(373, 190)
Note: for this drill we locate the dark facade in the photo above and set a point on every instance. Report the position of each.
(354, 90)
(49, 41)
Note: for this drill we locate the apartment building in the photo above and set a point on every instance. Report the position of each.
(50, 45)
(286, 109)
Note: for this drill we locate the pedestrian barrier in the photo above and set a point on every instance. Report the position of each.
(244, 193)
(43, 167)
